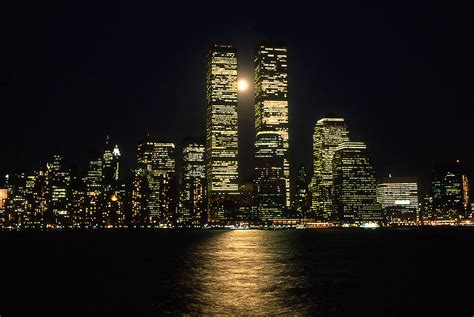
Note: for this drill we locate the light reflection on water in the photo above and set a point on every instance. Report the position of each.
(244, 272)
(207, 272)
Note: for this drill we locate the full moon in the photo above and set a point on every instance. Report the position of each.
(242, 85)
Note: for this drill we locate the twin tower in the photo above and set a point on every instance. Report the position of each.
(272, 168)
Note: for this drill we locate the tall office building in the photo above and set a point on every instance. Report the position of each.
(221, 134)
(140, 212)
(16, 205)
(271, 99)
(78, 196)
(110, 165)
(427, 209)
(355, 187)
(156, 162)
(94, 202)
(450, 192)
(37, 201)
(3, 198)
(193, 195)
(270, 189)
(398, 197)
(113, 190)
(58, 181)
(329, 133)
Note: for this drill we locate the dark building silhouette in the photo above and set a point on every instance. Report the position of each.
(270, 190)
(450, 195)
(193, 194)
(302, 198)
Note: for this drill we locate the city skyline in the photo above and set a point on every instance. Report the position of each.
(128, 84)
(246, 173)
(343, 190)
(201, 183)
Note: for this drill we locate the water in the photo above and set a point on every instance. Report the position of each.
(303, 272)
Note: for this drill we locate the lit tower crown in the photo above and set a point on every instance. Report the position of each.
(221, 131)
(271, 98)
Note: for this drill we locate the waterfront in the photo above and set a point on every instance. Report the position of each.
(345, 272)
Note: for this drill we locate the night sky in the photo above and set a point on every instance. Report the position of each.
(73, 72)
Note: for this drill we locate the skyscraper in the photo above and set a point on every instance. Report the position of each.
(221, 133)
(156, 162)
(16, 205)
(113, 190)
(37, 213)
(78, 201)
(140, 212)
(355, 187)
(94, 202)
(450, 192)
(270, 190)
(58, 181)
(193, 195)
(329, 133)
(398, 197)
(111, 166)
(3, 198)
(271, 99)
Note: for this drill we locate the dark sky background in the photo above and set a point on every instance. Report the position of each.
(72, 72)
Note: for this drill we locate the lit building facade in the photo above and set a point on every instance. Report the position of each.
(271, 99)
(3, 198)
(37, 203)
(222, 134)
(156, 162)
(329, 133)
(450, 193)
(16, 205)
(140, 212)
(427, 209)
(78, 202)
(3, 201)
(193, 195)
(398, 197)
(113, 190)
(355, 187)
(94, 200)
(58, 199)
(270, 189)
